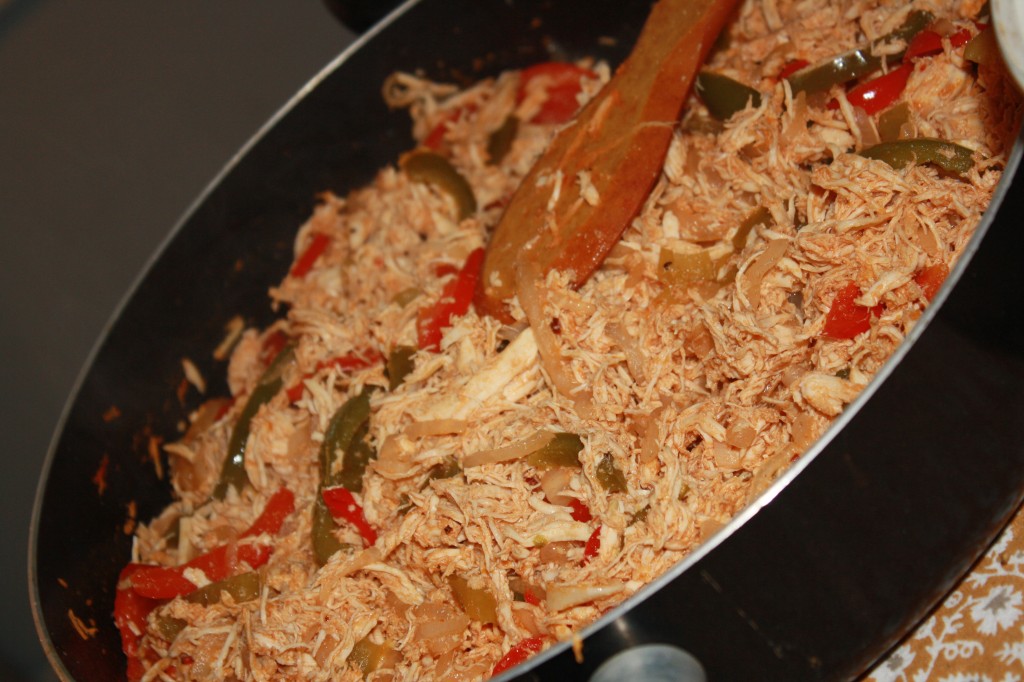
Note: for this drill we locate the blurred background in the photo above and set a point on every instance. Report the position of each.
(114, 116)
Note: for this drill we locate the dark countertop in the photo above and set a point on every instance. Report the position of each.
(114, 116)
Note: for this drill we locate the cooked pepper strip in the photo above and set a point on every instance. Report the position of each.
(500, 141)
(241, 587)
(592, 547)
(456, 297)
(348, 362)
(846, 318)
(930, 279)
(232, 472)
(609, 476)
(878, 93)
(304, 263)
(856, 63)
(167, 582)
(518, 654)
(562, 88)
(563, 450)
(479, 604)
(984, 48)
(901, 153)
(342, 505)
(429, 167)
(724, 96)
(580, 511)
(929, 42)
(367, 656)
(399, 365)
(325, 544)
(342, 436)
(130, 612)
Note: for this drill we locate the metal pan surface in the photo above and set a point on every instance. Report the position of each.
(826, 571)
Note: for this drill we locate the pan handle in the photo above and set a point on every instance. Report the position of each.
(359, 15)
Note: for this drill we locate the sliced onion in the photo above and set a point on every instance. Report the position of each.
(553, 482)
(360, 561)
(440, 626)
(634, 358)
(759, 268)
(391, 459)
(740, 434)
(561, 597)
(515, 450)
(530, 296)
(435, 427)
(649, 445)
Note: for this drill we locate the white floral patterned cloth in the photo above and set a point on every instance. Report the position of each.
(977, 634)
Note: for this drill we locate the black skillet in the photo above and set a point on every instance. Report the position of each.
(814, 582)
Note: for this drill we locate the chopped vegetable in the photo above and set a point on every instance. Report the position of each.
(984, 49)
(479, 604)
(167, 582)
(317, 245)
(367, 655)
(349, 362)
(130, 613)
(325, 543)
(342, 439)
(593, 545)
(232, 472)
(342, 505)
(455, 300)
(430, 167)
(609, 476)
(856, 63)
(562, 85)
(614, 142)
(930, 279)
(399, 365)
(563, 450)
(684, 269)
(846, 318)
(929, 42)
(518, 654)
(500, 141)
(241, 587)
(901, 153)
(878, 93)
(890, 123)
(724, 96)
(759, 216)
(580, 511)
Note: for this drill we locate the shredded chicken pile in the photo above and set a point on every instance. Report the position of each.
(688, 400)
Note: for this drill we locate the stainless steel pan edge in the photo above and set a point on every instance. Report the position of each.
(814, 581)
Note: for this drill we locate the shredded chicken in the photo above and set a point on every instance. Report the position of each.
(687, 401)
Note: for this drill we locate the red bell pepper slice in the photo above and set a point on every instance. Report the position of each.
(592, 547)
(455, 300)
(342, 505)
(929, 42)
(130, 612)
(168, 582)
(517, 654)
(931, 278)
(580, 511)
(562, 89)
(878, 93)
(531, 597)
(350, 361)
(304, 263)
(846, 319)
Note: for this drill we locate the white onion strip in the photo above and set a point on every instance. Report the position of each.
(515, 450)
(562, 597)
